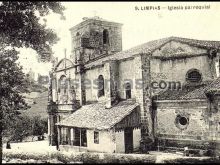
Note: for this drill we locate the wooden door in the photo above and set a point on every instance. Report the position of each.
(128, 137)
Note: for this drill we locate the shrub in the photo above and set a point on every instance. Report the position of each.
(90, 158)
(84, 157)
(26, 155)
(193, 160)
(129, 158)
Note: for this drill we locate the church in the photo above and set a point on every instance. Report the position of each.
(104, 99)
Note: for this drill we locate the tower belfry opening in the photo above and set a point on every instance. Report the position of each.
(95, 37)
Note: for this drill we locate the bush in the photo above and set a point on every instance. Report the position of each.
(194, 160)
(25, 126)
(83, 157)
(26, 155)
(129, 158)
(90, 158)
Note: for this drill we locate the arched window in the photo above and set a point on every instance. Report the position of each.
(101, 91)
(105, 36)
(128, 90)
(63, 83)
(193, 76)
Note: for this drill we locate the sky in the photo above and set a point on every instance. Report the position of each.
(139, 26)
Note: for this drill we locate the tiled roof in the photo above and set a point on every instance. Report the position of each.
(143, 48)
(96, 116)
(199, 43)
(214, 85)
(149, 47)
(190, 92)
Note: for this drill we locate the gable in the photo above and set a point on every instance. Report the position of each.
(64, 63)
(175, 49)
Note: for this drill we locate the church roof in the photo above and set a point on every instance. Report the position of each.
(191, 92)
(96, 116)
(151, 46)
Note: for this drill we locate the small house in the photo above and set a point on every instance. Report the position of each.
(96, 128)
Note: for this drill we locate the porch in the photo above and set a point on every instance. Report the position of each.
(95, 128)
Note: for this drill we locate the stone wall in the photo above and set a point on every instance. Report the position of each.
(127, 72)
(91, 76)
(70, 76)
(199, 126)
(89, 36)
(167, 126)
(172, 69)
(176, 69)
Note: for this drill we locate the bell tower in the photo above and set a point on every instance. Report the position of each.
(95, 38)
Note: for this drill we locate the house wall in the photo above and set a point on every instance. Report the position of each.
(166, 117)
(201, 127)
(109, 142)
(119, 140)
(126, 74)
(122, 71)
(136, 138)
(175, 69)
(93, 29)
(70, 74)
(106, 143)
(90, 77)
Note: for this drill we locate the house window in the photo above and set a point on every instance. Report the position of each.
(193, 76)
(128, 90)
(83, 138)
(80, 138)
(101, 91)
(77, 137)
(105, 36)
(65, 135)
(96, 137)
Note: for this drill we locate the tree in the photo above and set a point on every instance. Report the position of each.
(12, 84)
(20, 27)
(21, 129)
(39, 126)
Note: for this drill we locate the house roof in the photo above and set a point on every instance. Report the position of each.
(190, 92)
(96, 116)
(151, 46)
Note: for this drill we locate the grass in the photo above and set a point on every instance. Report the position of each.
(40, 108)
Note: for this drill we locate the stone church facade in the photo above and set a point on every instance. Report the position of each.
(104, 99)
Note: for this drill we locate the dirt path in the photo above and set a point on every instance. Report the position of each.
(36, 146)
